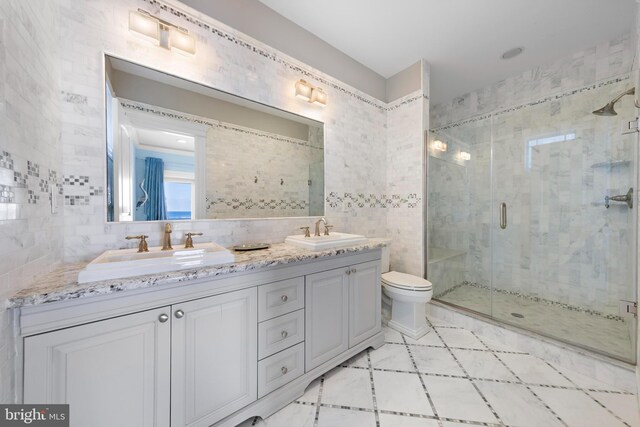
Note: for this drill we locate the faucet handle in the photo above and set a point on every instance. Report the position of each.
(142, 246)
(326, 229)
(189, 242)
(306, 231)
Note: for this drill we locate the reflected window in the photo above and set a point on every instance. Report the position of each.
(532, 143)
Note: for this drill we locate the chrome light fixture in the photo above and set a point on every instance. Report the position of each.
(161, 32)
(319, 97)
(439, 145)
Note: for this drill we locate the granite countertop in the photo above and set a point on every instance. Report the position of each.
(62, 283)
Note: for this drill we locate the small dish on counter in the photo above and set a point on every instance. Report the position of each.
(251, 247)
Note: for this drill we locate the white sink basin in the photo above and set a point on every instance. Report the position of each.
(320, 243)
(121, 263)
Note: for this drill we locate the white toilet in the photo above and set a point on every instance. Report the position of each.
(409, 295)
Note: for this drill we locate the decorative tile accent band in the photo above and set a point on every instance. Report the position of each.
(265, 52)
(27, 177)
(258, 204)
(7, 194)
(534, 103)
(178, 115)
(361, 200)
(534, 298)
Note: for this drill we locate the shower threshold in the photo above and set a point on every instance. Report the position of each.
(606, 337)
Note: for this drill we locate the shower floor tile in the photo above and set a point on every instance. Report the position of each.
(442, 381)
(596, 332)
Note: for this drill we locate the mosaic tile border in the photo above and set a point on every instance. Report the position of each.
(265, 52)
(362, 200)
(534, 298)
(539, 101)
(29, 179)
(178, 115)
(249, 203)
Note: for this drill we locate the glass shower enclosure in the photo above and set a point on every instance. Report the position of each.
(521, 224)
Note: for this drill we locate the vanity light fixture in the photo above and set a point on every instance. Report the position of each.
(162, 33)
(465, 156)
(303, 90)
(439, 145)
(310, 93)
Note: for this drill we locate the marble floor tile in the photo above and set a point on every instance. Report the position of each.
(439, 322)
(623, 405)
(576, 408)
(334, 417)
(360, 360)
(434, 360)
(348, 387)
(311, 393)
(457, 398)
(391, 335)
(532, 370)
(291, 415)
(460, 338)
(392, 356)
(431, 338)
(517, 406)
(401, 393)
(389, 420)
(483, 364)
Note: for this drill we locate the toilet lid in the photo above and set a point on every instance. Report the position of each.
(405, 281)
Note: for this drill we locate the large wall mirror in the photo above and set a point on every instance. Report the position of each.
(178, 150)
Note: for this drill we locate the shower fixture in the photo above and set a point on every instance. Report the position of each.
(608, 110)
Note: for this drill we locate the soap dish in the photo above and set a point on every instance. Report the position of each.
(251, 247)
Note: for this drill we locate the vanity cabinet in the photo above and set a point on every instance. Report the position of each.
(342, 310)
(114, 372)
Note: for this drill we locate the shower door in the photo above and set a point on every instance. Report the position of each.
(562, 261)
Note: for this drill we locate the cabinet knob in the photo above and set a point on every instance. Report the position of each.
(284, 370)
(163, 318)
(353, 270)
(284, 334)
(284, 298)
(179, 314)
(348, 272)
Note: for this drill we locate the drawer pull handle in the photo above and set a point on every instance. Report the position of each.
(179, 314)
(163, 318)
(284, 298)
(284, 370)
(284, 334)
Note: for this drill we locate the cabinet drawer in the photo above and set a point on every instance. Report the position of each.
(278, 298)
(282, 332)
(279, 369)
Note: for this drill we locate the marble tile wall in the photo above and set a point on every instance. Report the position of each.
(31, 238)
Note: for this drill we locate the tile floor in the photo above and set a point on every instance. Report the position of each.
(598, 332)
(453, 377)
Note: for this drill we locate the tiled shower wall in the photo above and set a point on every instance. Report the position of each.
(31, 239)
(549, 101)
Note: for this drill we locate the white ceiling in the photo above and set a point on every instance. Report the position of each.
(461, 39)
(166, 141)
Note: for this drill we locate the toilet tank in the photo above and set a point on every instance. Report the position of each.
(386, 251)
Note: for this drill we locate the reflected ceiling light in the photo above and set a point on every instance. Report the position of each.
(163, 33)
(181, 141)
(439, 145)
(318, 96)
(465, 156)
(303, 90)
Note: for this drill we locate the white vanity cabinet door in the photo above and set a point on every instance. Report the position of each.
(112, 372)
(214, 357)
(326, 316)
(364, 301)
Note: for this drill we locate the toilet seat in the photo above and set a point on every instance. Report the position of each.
(406, 282)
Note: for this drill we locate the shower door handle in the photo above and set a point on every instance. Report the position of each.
(503, 215)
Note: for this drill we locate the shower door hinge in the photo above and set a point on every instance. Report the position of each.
(631, 126)
(628, 307)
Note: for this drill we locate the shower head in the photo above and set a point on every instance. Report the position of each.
(608, 109)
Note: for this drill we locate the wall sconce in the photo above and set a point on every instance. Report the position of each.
(465, 156)
(162, 33)
(311, 94)
(439, 145)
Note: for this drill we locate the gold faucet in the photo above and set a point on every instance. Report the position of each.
(166, 239)
(189, 242)
(142, 246)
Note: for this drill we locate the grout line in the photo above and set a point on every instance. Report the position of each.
(373, 390)
(587, 393)
(319, 401)
(424, 386)
(493, 411)
(519, 379)
(458, 348)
